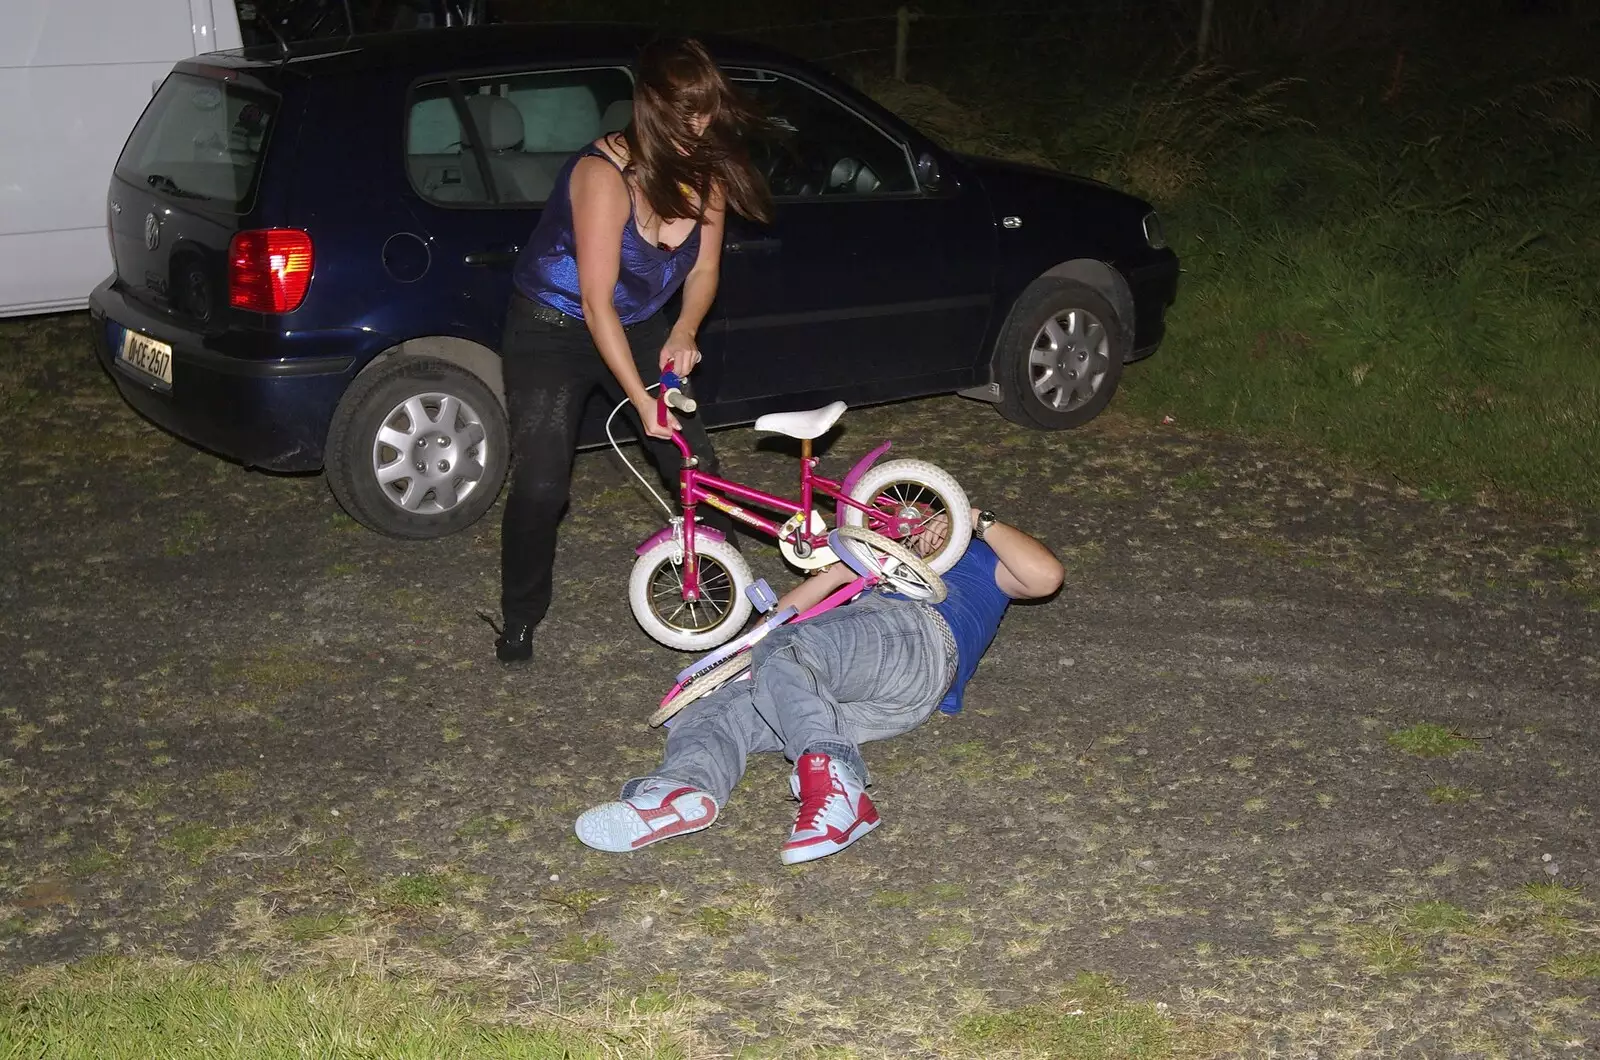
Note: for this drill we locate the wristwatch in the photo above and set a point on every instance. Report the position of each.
(986, 519)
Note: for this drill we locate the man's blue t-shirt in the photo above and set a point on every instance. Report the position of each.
(974, 607)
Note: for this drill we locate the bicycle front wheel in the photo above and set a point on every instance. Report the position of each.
(655, 593)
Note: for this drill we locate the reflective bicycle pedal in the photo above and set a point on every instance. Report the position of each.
(762, 596)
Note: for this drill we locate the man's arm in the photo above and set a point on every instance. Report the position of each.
(815, 589)
(1027, 569)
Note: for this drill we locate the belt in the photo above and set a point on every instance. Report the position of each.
(551, 315)
(948, 638)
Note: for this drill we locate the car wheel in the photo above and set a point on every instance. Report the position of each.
(417, 448)
(1060, 357)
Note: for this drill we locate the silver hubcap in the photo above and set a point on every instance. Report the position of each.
(429, 453)
(1069, 359)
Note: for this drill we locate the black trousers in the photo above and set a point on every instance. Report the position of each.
(551, 371)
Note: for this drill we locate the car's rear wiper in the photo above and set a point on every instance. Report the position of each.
(170, 186)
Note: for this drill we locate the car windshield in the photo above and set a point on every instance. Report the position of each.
(200, 140)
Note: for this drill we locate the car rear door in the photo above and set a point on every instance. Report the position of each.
(865, 286)
(482, 155)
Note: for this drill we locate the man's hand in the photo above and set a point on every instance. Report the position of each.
(932, 535)
(681, 353)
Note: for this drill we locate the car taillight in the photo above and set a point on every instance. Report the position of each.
(269, 270)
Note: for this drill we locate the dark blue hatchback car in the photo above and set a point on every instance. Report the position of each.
(313, 249)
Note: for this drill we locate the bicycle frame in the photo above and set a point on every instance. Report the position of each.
(695, 487)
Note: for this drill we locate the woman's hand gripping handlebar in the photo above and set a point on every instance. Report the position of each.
(671, 396)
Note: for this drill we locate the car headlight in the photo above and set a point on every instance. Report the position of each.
(1153, 234)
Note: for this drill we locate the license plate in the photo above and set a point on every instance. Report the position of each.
(146, 356)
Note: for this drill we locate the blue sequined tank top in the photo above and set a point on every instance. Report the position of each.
(547, 268)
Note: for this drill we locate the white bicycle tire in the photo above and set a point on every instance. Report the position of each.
(936, 590)
(699, 639)
(930, 477)
(708, 682)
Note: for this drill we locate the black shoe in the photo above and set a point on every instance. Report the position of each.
(515, 643)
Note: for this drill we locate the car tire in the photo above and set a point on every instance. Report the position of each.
(416, 407)
(1060, 356)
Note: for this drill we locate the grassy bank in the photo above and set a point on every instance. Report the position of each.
(1395, 268)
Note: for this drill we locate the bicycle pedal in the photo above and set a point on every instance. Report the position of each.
(762, 596)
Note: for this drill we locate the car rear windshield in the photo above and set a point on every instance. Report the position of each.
(200, 140)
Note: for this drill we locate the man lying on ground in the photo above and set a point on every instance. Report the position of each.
(868, 670)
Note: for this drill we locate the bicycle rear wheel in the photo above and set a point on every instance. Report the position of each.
(908, 494)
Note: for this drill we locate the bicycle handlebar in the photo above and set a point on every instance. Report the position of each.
(673, 397)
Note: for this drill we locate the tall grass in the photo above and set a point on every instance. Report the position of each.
(1421, 298)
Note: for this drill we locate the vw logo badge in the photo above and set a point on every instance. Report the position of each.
(152, 231)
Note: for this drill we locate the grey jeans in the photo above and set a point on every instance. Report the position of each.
(865, 671)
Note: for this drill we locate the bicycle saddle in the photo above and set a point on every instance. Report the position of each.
(813, 423)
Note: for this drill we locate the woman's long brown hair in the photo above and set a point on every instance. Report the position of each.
(676, 83)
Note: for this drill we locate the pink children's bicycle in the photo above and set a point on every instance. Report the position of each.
(689, 586)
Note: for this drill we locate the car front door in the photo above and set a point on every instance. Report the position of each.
(866, 285)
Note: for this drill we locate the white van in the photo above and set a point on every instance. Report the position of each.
(74, 77)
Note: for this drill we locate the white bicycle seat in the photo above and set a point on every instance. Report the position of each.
(813, 423)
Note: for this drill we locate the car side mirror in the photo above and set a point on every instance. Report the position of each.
(928, 171)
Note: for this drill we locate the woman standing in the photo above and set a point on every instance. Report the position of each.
(634, 217)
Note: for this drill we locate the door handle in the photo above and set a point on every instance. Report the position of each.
(491, 257)
(752, 246)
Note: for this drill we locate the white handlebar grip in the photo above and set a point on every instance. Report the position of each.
(676, 400)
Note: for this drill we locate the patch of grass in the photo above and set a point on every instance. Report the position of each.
(945, 892)
(1445, 794)
(575, 900)
(273, 674)
(192, 529)
(1429, 740)
(714, 921)
(119, 1010)
(1574, 966)
(950, 938)
(92, 862)
(310, 927)
(485, 826)
(1555, 897)
(197, 841)
(1094, 1020)
(1384, 950)
(423, 890)
(579, 948)
(893, 899)
(1437, 916)
(230, 783)
(1198, 479)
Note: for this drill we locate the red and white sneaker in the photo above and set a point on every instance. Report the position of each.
(834, 809)
(658, 810)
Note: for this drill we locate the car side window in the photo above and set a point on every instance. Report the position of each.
(528, 125)
(439, 155)
(820, 147)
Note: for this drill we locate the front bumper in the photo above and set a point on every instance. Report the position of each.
(1154, 288)
(267, 412)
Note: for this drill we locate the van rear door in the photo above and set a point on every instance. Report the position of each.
(74, 75)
